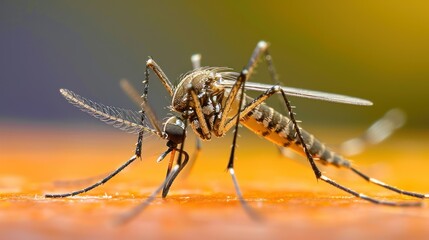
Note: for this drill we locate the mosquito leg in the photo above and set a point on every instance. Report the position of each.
(367, 198)
(262, 49)
(238, 85)
(392, 188)
(376, 133)
(316, 170)
(151, 116)
(248, 209)
(244, 204)
(145, 107)
(131, 91)
(114, 173)
(199, 112)
(104, 180)
(150, 63)
(196, 61)
(141, 100)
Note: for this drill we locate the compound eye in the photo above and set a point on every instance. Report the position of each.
(175, 130)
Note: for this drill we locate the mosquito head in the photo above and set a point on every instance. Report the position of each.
(174, 128)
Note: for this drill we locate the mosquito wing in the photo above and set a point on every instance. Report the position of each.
(304, 93)
(126, 120)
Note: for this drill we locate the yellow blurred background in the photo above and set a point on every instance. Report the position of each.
(374, 49)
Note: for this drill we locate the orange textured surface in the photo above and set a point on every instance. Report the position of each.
(293, 204)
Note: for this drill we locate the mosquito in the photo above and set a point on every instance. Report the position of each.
(212, 101)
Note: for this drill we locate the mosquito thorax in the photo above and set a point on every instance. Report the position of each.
(202, 81)
(174, 129)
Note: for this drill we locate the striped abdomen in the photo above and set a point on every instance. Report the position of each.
(279, 129)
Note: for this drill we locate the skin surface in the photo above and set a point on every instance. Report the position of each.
(283, 191)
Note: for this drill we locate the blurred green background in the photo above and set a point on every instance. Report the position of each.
(376, 50)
